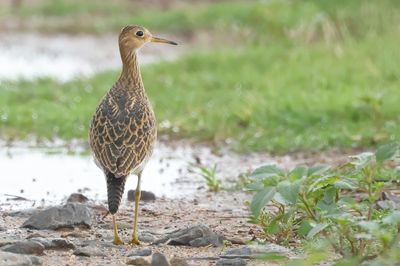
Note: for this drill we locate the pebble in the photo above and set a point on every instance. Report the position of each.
(11, 259)
(214, 240)
(140, 252)
(159, 259)
(77, 198)
(144, 195)
(139, 261)
(25, 247)
(54, 243)
(89, 251)
(197, 236)
(231, 262)
(175, 261)
(67, 216)
(147, 237)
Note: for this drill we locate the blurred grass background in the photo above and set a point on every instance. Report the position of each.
(278, 75)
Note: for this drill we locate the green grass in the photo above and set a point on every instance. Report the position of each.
(300, 75)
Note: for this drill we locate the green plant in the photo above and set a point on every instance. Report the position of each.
(336, 204)
(209, 175)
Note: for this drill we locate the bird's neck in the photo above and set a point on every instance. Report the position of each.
(130, 76)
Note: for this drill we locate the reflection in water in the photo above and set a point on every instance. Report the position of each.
(37, 175)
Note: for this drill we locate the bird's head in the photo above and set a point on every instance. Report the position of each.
(133, 37)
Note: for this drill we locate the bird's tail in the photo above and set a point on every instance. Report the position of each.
(115, 190)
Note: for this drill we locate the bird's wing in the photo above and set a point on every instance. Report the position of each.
(121, 136)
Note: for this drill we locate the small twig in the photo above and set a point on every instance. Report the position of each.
(16, 197)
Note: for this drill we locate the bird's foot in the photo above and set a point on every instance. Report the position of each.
(134, 242)
(117, 241)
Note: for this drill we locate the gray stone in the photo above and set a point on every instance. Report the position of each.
(144, 195)
(23, 213)
(89, 251)
(35, 260)
(147, 237)
(11, 259)
(77, 198)
(214, 240)
(198, 235)
(178, 262)
(251, 251)
(231, 262)
(159, 259)
(67, 216)
(2, 229)
(25, 247)
(54, 243)
(139, 261)
(8, 241)
(140, 252)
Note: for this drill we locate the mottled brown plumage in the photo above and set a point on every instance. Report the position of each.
(123, 129)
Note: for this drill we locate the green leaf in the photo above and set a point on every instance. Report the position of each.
(260, 199)
(317, 229)
(318, 170)
(362, 160)
(387, 152)
(304, 228)
(393, 218)
(330, 195)
(345, 184)
(267, 170)
(289, 191)
(323, 181)
(298, 172)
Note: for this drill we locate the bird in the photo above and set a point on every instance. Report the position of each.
(123, 131)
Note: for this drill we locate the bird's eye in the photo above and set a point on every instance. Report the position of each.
(139, 33)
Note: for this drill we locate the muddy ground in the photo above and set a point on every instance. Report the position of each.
(225, 212)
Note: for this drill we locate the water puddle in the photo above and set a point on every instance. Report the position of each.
(65, 57)
(44, 176)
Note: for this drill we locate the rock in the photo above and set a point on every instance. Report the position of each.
(69, 215)
(35, 260)
(147, 237)
(175, 261)
(251, 251)
(11, 259)
(89, 251)
(55, 243)
(159, 259)
(7, 241)
(77, 198)
(140, 252)
(144, 195)
(2, 229)
(24, 213)
(25, 247)
(236, 240)
(60, 243)
(231, 262)
(198, 235)
(139, 261)
(214, 240)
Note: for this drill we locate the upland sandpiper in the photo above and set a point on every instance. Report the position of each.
(123, 129)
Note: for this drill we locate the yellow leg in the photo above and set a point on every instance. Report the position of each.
(135, 240)
(117, 239)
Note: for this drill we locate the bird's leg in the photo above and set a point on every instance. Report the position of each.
(135, 240)
(117, 239)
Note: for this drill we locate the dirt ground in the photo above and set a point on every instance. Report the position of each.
(223, 212)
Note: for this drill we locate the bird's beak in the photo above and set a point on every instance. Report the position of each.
(156, 39)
